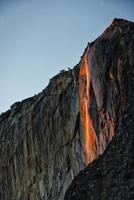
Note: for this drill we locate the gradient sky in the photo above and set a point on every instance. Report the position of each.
(38, 38)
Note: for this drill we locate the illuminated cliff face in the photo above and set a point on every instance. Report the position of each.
(90, 138)
(97, 134)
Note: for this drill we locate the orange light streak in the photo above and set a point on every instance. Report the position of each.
(90, 138)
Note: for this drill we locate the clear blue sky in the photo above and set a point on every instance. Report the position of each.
(38, 38)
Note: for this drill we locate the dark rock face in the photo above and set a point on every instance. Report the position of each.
(111, 65)
(47, 139)
(41, 143)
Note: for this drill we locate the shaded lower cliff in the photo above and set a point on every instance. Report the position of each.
(41, 146)
(47, 139)
(111, 68)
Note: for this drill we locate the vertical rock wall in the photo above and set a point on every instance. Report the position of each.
(41, 146)
(111, 108)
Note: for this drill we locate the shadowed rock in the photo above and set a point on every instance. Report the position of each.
(41, 146)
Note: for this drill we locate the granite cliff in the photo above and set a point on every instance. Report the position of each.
(80, 124)
(111, 68)
(41, 146)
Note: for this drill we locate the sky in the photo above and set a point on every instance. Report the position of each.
(39, 38)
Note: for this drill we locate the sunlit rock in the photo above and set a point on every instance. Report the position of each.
(111, 109)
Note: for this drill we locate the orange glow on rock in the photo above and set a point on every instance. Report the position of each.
(90, 138)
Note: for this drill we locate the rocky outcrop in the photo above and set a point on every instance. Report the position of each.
(111, 111)
(47, 139)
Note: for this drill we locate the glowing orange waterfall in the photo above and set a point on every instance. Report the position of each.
(90, 138)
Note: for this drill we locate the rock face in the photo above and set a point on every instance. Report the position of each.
(41, 143)
(47, 139)
(111, 110)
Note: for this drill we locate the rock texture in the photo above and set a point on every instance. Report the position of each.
(41, 143)
(111, 68)
(47, 139)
